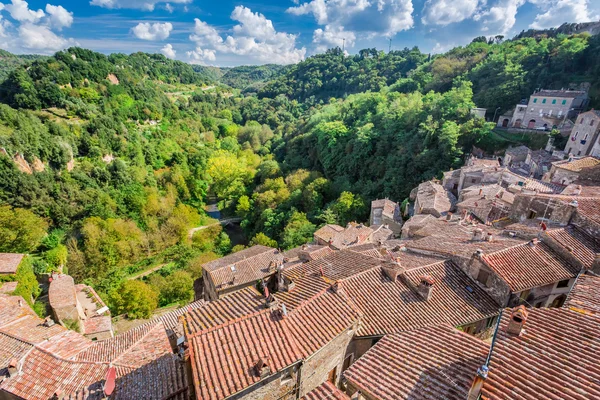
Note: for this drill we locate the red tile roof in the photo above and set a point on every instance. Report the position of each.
(11, 348)
(61, 292)
(8, 287)
(576, 165)
(31, 329)
(353, 234)
(555, 357)
(327, 232)
(580, 244)
(589, 208)
(242, 267)
(326, 391)
(9, 262)
(223, 357)
(438, 362)
(526, 266)
(390, 307)
(585, 295)
(233, 306)
(97, 324)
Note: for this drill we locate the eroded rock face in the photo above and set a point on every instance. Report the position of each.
(113, 79)
(108, 158)
(22, 164)
(71, 165)
(38, 165)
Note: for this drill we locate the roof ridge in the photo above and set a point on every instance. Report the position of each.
(230, 322)
(159, 324)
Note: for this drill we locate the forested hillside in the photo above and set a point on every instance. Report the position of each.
(9, 62)
(108, 161)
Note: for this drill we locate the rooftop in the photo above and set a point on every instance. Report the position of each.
(529, 265)
(61, 292)
(242, 267)
(560, 93)
(388, 206)
(9, 262)
(431, 363)
(585, 295)
(433, 197)
(583, 246)
(554, 357)
(327, 232)
(577, 164)
(326, 391)
(391, 306)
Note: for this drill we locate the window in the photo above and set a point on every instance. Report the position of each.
(563, 284)
(592, 123)
(473, 180)
(576, 133)
(579, 153)
(532, 214)
(564, 102)
(543, 101)
(560, 113)
(483, 276)
(581, 121)
(554, 101)
(550, 113)
(535, 100)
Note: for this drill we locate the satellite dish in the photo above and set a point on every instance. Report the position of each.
(109, 385)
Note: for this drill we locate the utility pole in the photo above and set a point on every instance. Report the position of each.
(390, 49)
(343, 45)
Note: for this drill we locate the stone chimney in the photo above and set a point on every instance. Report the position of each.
(262, 369)
(477, 234)
(518, 317)
(489, 237)
(477, 384)
(425, 288)
(533, 242)
(13, 367)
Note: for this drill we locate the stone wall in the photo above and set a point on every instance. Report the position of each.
(494, 286)
(279, 386)
(532, 207)
(316, 369)
(589, 226)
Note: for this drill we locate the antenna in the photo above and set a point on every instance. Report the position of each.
(343, 45)
(390, 49)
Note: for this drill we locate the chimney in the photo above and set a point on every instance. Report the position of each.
(518, 317)
(482, 374)
(489, 237)
(577, 190)
(261, 369)
(425, 288)
(48, 321)
(391, 272)
(478, 253)
(477, 234)
(13, 367)
(533, 242)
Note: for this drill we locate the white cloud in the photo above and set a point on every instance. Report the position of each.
(147, 5)
(156, 31)
(254, 37)
(333, 37)
(40, 38)
(19, 11)
(500, 18)
(386, 17)
(444, 12)
(169, 51)
(560, 11)
(58, 17)
(169, 8)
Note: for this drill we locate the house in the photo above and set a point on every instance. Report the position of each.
(432, 198)
(326, 391)
(546, 109)
(486, 203)
(538, 353)
(238, 270)
(9, 262)
(514, 156)
(42, 360)
(585, 135)
(567, 171)
(585, 295)
(353, 234)
(326, 233)
(433, 362)
(79, 305)
(386, 212)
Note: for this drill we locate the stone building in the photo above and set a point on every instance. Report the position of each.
(386, 212)
(546, 109)
(338, 238)
(585, 134)
(516, 155)
(237, 271)
(567, 171)
(432, 198)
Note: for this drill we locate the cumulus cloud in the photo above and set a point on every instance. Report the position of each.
(558, 12)
(333, 37)
(169, 51)
(59, 17)
(254, 37)
(500, 18)
(19, 11)
(444, 12)
(156, 31)
(34, 30)
(386, 17)
(147, 5)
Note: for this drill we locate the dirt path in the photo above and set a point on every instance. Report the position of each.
(147, 272)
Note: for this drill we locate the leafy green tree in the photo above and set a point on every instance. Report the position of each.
(262, 239)
(27, 286)
(21, 231)
(349, 207)
(134, 298)
(175, 288)
(298, 231)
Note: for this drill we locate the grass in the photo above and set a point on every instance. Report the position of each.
(501, 140)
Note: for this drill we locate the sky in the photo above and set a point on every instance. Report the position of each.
(229, 33)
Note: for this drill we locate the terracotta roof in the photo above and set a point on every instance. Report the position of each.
(131, 349)
(230, 307)
(171, 320)
(580, 244)
(97, 325)
(31, 329)
(318, 321)
(8, 287)
(353, 234)
(583, 189)
(589, 208)
(11, 348)
(308, 252)
(433, 196)
(577, 164)
(327, 232)
(526, 266)
(339, 265)
(242, 267)
(367, 249)
(224, 357)
(307, 285)
(438, 362)
(585, 295)
(326, 391)
(519, 150)
(388, 206)
(393, 306)
(61, 292)
(9, 262)
(555, 357)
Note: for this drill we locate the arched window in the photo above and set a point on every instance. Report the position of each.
(505, 122)
(531, 124)
(517, 123)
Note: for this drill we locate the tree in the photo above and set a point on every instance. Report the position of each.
(27, 286)
(349, 207)
(298, 231)
(262, 239)
(175, 288)
(21, 231)
(134, 298)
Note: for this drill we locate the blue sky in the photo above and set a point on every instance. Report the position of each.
(226, 33)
